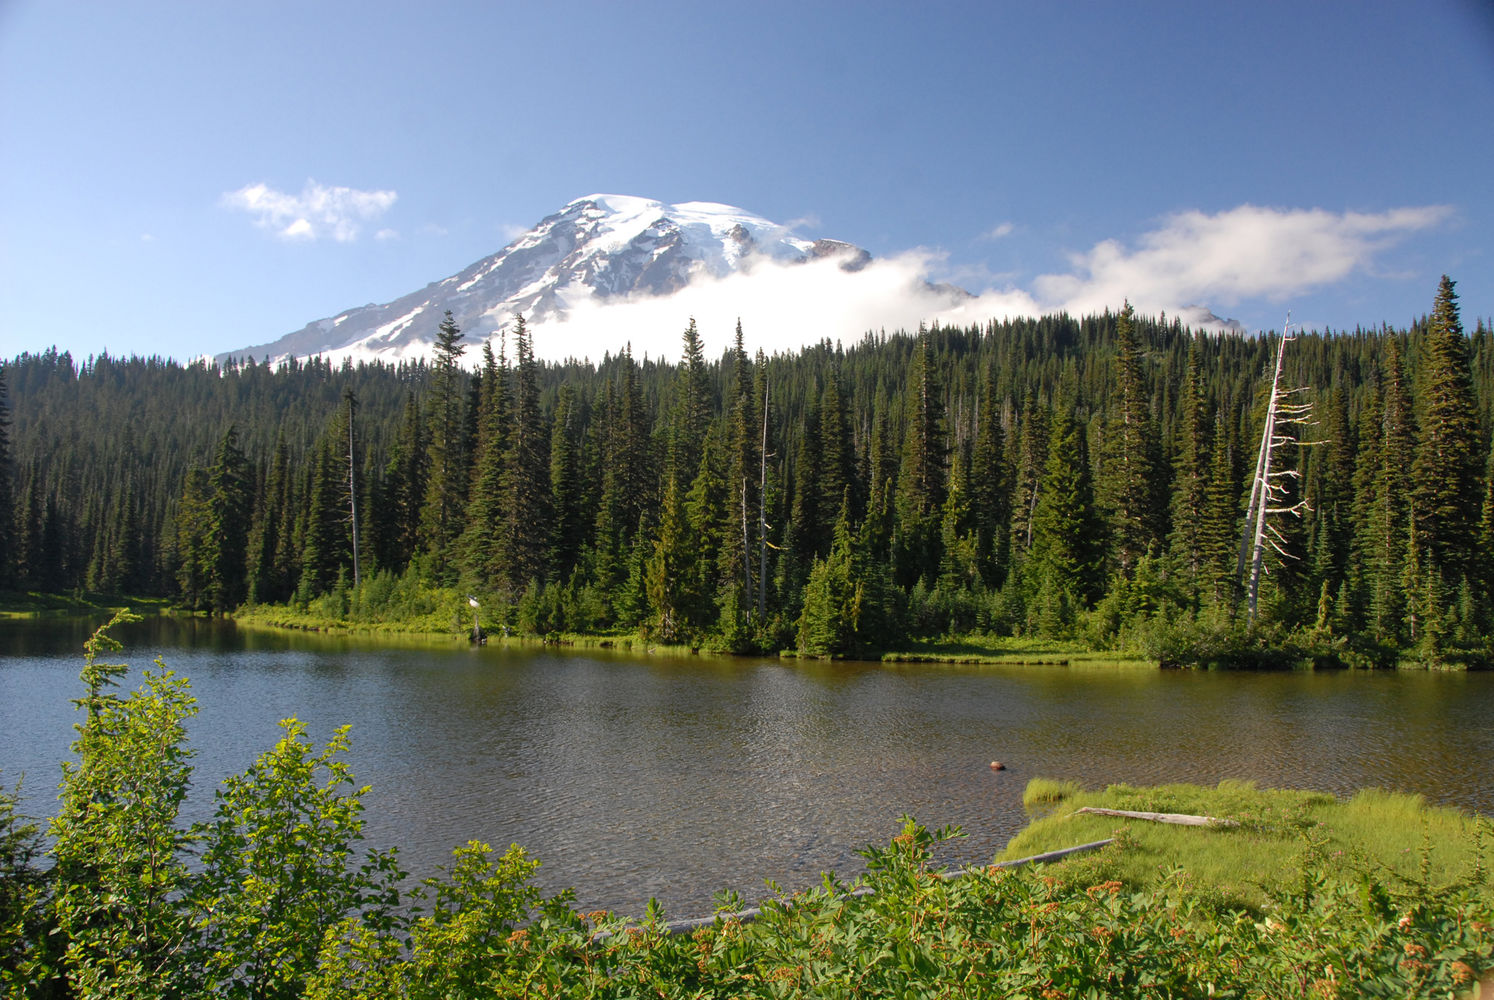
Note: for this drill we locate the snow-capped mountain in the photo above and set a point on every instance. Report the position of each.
(597, 248)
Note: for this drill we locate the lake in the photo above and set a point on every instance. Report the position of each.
(676, 777)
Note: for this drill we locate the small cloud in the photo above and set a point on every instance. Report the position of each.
(147, 238)
(387, 234)
(511, 231)
(318, 211)
(1002, 231)
(432, 229)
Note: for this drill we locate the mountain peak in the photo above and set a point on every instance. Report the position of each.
(601, 246)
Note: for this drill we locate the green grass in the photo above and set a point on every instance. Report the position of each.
(1281, 833)
(35, 604)
(1014, 651)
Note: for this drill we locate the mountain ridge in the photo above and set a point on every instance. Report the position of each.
(601, 246)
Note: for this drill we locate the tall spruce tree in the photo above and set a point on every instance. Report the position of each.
(526, 485)
(737, 548)
(1446, 469)
(1067, 538)
(230, 510)
(1128, 485)
(446, 482)
(923, 477)
(1190, 492)
(1386, 519)
(990, 487)
(567, 483)
(7, 491)
(485, 524)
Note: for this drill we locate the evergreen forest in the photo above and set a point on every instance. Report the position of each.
(1094, 480)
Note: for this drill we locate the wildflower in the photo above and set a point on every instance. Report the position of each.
(1462, 973)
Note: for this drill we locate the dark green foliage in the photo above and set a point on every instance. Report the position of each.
(282, 901)
(1449, 459)
(7, 489)
(551, 480)
(1128, 486)
(1064, 569)
(446, 477)
(923, 476)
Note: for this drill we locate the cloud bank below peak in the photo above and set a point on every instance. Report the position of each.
(1190, 265)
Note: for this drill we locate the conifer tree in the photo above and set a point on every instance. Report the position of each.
(1067, 544)
(1386, 521)
(446, 482)
(807, 533)
(922, 479)
(405, 479)
(1191, 474)
(1219, 519)
(230, 508)
(193, 537)
(692, 407)
(1130, 475)
(7, 490)
(326, 547)
(737, 562)
(1446, 469)
(990, 488)
(837, 461)
(485, 521)
(567, 476)
(1032, 457)
(267, 582)
(526, 487)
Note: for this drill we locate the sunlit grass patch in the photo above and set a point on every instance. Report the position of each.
(1280, 834)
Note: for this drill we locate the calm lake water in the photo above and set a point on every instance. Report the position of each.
(630, 778)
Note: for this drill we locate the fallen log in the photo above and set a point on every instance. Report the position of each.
(1178, 819)
(750, 914)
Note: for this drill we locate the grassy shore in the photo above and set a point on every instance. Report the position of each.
(35, 604)
(1268, 839)
(1014, 651)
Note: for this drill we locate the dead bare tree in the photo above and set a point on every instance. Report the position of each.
(1270, 489)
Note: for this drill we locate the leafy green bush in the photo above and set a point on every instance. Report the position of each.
(284, 903)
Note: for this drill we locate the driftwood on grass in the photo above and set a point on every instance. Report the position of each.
(1178, 819)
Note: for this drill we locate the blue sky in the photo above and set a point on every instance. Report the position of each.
(186, 178)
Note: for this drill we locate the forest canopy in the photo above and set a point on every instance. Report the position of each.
(1079, 478)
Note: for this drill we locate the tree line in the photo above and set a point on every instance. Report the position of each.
(1080, 478)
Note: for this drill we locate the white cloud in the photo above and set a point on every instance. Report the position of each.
(1003, 230)
(781, 306)
(387, 234)
(317, 212)
(1244, 253)
(1193, 263)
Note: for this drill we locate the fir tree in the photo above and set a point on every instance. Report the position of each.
(485, 521)
(1067, 544)
(1130, 474)
(7, 491)
(567, 495)
(922, 478)
(526, 485)
(230, 508)
(1191, 474)
(990, 488)
(446, 482)
(1446, 469)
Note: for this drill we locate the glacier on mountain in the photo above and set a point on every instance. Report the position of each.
(599, 249)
